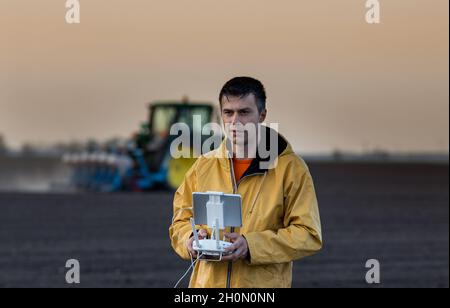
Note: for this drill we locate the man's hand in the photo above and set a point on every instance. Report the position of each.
(239, 247)
(201, 235)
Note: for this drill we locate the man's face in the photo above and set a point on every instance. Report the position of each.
(238, 112)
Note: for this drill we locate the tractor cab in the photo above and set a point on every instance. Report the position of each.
(154, 140)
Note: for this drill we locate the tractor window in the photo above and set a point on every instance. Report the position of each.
(162, 120)
(203, 112)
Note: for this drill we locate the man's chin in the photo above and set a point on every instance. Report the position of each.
(240, 142)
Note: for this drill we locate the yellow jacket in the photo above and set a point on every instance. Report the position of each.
(280, 214)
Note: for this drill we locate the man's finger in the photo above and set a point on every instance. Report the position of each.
(243, 251)
(231, 236)
(236, 248)
(230, 248)
(190, 249)
(227, 258)
(239, 252)
(193, 252)
(202, 233)
(237, 243)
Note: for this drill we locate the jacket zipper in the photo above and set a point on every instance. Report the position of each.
(233, 181)
(235, 185)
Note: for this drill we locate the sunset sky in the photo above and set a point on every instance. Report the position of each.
(333, 81)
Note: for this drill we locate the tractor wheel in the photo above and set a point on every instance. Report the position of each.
(177, 169)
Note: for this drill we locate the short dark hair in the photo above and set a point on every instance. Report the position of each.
(242, 87)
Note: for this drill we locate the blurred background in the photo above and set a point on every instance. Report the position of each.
(85, 111)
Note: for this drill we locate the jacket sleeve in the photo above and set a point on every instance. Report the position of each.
(180, 230)
(301, 236)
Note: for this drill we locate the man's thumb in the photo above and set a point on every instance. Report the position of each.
(231, 235)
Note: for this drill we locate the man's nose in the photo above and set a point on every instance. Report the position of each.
(235, 118)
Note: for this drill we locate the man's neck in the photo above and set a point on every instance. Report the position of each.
(244, 151)
(242, 154)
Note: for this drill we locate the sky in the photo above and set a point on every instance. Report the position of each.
(333, 81)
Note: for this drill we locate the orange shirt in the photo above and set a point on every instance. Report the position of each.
(240, 166)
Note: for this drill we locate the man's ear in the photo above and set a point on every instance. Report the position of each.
(262, 116)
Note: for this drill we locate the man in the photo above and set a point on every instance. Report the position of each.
(280, 214)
